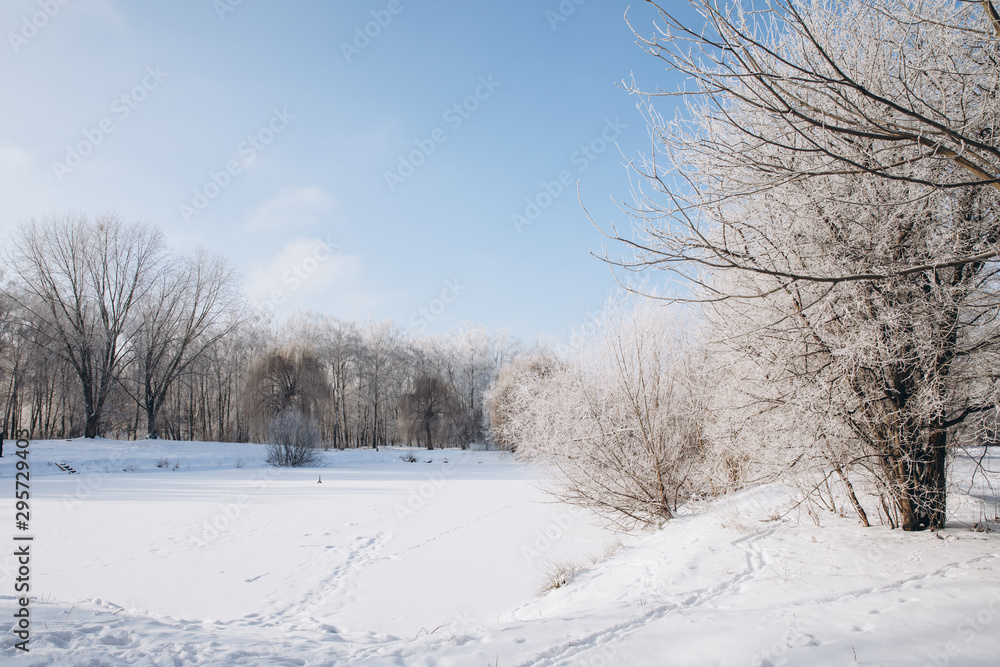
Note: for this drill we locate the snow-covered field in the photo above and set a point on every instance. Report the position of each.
(214, 558)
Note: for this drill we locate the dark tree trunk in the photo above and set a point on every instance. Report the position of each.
(94, 408)
(926, 504)
(151, 430)
(91, 430)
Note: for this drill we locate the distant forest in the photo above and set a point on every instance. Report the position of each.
(104, 331)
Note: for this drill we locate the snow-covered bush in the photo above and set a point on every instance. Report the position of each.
(294, 440)
(619, 423)
(511, 395)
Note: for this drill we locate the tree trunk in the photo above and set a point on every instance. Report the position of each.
(862, 515)
(93, 408)
(151, 429)
(923, 484)
(929, 503)
(90, 430)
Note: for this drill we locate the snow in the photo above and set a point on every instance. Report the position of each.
(440, 562)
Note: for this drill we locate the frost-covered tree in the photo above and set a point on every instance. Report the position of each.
(830, 194)
(513, 393)
(382, 361)
(619, 422)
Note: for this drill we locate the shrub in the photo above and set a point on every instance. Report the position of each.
(294, 439)
(619, 422)
(558, 574)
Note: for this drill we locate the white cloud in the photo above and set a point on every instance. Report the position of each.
(306, 274)
(293, 207)
(13, 159)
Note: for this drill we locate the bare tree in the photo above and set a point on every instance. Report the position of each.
(190, 307)
(425, 407)
(14, 347)
(830, 194)
(338, 346)
(209, 400)
(341, 349)
(158, 346)
(81, 281)
(478, 357)
(381, 376)
(288, 378)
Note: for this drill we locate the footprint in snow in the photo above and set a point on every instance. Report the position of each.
(115, 639)
(802, 639)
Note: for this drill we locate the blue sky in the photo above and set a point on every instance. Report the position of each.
(348, 173)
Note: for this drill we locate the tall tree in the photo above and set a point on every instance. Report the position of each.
(831, 195)
(287, 378)
(191, 306)
(81, 281)
(422, 409)
(380, 374)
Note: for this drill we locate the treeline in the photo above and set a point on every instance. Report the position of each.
(104, 331)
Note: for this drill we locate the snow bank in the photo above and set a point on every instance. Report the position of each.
(214, 558)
